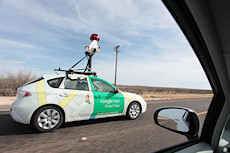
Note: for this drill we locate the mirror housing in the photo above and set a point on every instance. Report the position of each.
(180, 120)
(116, 90)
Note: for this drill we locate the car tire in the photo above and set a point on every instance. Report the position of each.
(47, 119)
(133, 110)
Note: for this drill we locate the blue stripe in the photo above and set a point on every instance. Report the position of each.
(92, 117)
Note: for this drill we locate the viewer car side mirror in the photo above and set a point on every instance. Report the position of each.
(180, 120)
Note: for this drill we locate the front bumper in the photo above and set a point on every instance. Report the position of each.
(144, 106)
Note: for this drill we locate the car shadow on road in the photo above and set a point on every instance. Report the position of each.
(94, 121)
(10, 127)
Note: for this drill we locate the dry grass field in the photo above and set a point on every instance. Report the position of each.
(7, 100)
(148, 93)
(9, 82)
(159, 93)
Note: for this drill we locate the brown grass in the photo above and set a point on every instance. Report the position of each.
(10, 81)
(160, 93)
(166, 96)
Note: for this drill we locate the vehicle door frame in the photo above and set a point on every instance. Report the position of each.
(96, 78)
(89, 91)
(185, 20)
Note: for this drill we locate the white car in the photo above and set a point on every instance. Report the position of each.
(49, 101)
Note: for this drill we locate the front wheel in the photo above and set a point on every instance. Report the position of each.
(47, 119)
(133, 111)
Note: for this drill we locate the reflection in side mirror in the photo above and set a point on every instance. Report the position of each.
(175, 119)
(179, 120)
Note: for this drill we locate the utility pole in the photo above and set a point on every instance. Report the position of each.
(117, 51)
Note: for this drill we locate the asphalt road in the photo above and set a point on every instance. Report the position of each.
(103, 135)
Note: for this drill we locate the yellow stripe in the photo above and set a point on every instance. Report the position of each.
(41, 93)
(128, 97)
(202, 113)
(68, 98)
(89, 83)
(139, 99)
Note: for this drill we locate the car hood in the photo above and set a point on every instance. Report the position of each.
(132, 95)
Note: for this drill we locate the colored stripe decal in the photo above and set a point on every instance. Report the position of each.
(128, 97)
(89, 79)
(68, 98)
(92, 117)
(139, 99)
(41, 93)
(90, 86)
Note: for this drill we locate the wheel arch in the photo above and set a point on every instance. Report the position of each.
(135, 101)
(61, 109)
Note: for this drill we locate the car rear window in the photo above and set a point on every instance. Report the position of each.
(55, 83)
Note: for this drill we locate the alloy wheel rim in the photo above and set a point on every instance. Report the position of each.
(48, 119)
(134, 111)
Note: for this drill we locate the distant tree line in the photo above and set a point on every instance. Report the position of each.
(11, 81)
(146, 89)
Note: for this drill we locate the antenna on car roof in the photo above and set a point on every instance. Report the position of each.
(90, 50)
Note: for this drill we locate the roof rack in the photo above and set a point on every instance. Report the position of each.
(76, 72)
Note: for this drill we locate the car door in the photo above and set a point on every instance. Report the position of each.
(106, 100)
(208, 33)
(78, 98)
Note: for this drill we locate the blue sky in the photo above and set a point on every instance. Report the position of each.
(47, 34)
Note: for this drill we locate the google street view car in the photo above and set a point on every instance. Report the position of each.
(49, 101)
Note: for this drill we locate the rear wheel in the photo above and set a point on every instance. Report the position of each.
(133, 111)
(47, 119)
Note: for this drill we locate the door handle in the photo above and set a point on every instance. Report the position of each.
(98, 96)
(63, 95)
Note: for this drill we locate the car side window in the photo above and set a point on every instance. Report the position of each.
(101, 86)
(76, 84)
(55, 83)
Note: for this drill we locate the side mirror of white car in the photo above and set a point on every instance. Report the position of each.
(180, 120)
(116, 90)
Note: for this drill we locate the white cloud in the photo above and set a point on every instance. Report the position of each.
(175, 65)
(183, 72)
(10, 43)
(108, 17)
(153, 49)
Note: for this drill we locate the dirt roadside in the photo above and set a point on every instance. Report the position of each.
(6, 100)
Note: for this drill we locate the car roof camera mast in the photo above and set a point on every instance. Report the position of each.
(90, 50)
